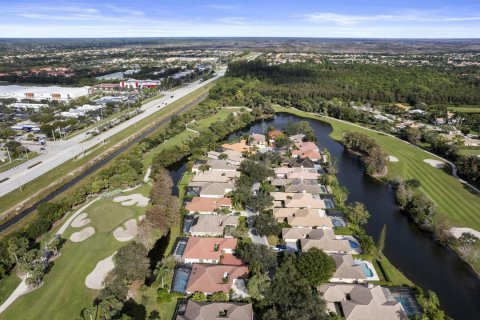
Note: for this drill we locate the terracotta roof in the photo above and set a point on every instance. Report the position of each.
(274, 134)
(204, 248)
(213, 310)
(258, 138)
(207, 204)
(209, 278)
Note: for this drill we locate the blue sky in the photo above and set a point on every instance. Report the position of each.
(246, 18)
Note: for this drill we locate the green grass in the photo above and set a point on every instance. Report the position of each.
(465, 109)
(470, 152)
(393, 275)
(64, 294)
(454, 201)
(177, 140)
(7, 285)
(17, 162)
(185, 136)
(204, 124)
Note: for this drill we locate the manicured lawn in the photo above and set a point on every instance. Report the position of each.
(64, 294)
(470, 152)
(454, 201)
(472, 109)
(184, 136)
(7, 285)
(394, 276)
(204, 124)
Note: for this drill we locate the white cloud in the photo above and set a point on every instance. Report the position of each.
(349, 19)
(221, 6)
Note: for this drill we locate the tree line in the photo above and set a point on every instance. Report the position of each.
(359, 82)
(373, 157)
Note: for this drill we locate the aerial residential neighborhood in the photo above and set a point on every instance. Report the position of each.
(253, 160)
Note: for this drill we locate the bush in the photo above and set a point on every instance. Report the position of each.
(37, 227)
(198, 297)
(163, 295)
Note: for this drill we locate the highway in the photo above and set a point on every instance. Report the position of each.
(61, 151)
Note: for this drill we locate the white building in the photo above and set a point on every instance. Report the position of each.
(24, 106)
(80, 111)
(51, 93)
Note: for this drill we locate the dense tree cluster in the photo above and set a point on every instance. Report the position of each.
(372, 155)
(416, 204)
(306, 86)
(164, 212)
(252, 172)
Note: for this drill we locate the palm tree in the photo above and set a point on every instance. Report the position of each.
(162, 272)
(87, 312)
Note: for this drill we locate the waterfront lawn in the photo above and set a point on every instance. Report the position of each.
(455, 202)
(64, 294)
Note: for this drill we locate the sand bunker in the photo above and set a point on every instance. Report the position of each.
(81, 220)
(95, 278)
(393, 159)
(435, 163)
(82, 235)
(126, 233)
(457, 232)
(132, 199)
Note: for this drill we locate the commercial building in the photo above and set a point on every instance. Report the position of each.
(51, 93)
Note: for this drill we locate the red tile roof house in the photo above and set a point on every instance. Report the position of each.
(214, 278)
(273, 135)
(307, 150)
(210, 250)
(203, 205)
(257, 140)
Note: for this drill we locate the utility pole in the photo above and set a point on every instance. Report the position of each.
(19, 184)
(8, 152)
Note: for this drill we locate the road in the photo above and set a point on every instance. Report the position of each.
(61, 151)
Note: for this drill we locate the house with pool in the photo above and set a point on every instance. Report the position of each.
(361, 302)
(210, 250)
(350, 270)
(303, 239)
(208, 278)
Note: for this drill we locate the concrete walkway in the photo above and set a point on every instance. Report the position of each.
(19, 291)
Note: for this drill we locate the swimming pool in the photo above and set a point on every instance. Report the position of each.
(338, 223)
(353, 244)
(407, 299)
(180, 248)
(366, 270)
(328, 203)
(180, 280)
(187, 224)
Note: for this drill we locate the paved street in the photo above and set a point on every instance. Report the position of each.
(59, 152)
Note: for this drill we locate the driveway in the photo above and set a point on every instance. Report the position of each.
(253, 233)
